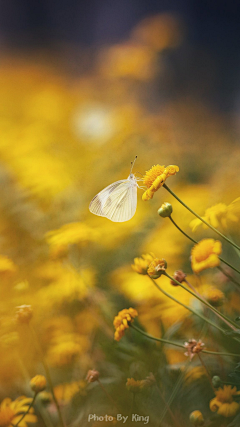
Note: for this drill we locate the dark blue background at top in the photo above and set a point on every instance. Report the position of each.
(212, 27)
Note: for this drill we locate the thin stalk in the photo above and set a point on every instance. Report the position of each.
(201, 219)
(174, 392)
(107, 394)
(167, 407)
(188, 308)
(24, 415)
(207, 373)
(39, 349)
(221, 259)
(202, 300)
(165, 341)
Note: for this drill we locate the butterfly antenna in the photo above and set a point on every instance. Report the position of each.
(132, 164)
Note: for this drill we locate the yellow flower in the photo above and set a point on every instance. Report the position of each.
(38, 383)
(214, 296)
(66, 349)
(223, 403)
(134, 386)
(65, 392)
(157, 268)
(218, 215)
(156, 177)
(69, 234)
(122, 321)
(7, 267)
(141, 264)
(205, 255)
(11, 412)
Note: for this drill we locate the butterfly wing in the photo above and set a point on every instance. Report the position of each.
(117, 202)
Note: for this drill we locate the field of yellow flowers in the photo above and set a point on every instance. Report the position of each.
(108, 323)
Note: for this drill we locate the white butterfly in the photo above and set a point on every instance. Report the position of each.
(118, 201)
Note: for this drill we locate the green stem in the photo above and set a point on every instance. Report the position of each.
(188, 308)
(165, 341)
(202, 300)
(39, 349)
(221, 259)
(201, 219)
(174, 392)
(207, 373)
(107, 394)
(167, 407)
(24, 415)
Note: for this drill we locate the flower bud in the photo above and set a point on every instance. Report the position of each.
(216, 381)
(38, 383)
(45, 397)
(196, 418)
(165, 210)
(157, 268)
(24, 313)
(92, 376)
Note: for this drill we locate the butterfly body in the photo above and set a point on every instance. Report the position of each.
(118, 201)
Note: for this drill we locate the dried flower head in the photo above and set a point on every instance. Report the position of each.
(141, 264)
(205, 255)
(122, 321)
(193, 347)
(180, 276)
(24, 313)
(157, 268)
(92, 376)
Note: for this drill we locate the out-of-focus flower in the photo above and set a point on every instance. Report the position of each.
(92, 376)
(165, 210)
(65, 392)
(122, 321)
(149, 381)
(129, 60)
(66, 349)
(11, 412)
(7, 267)
(141, 264)
(196, 418)
(193, 347)
(69, 286)
(156, 268)
(24, 313)
(180, 276)
(219, 215)
(156, 177)
(158, 32)
(224, 403)
(214, 296)
(69, 234)
(10, 340)
(134, 386)
(205, 255)
(38, 383)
